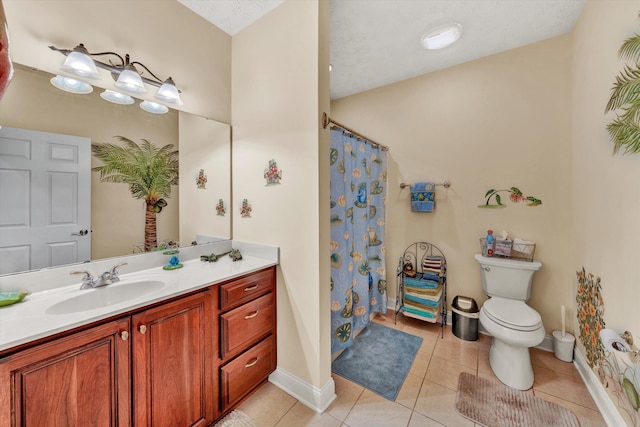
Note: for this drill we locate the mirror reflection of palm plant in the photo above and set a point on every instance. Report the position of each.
(515, 195)
(149, 171)
(624, 130)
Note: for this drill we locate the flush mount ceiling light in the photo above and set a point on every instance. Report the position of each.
(80, 62)
(442, 36)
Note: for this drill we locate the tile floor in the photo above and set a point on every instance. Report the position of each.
(427, 398)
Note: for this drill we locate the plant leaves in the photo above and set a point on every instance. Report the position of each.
(630, 49)
(625, 90)
(625, 136)
(489, 192)
(516, 191)
(498, 199)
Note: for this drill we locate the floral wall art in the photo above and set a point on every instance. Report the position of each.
(612, 355)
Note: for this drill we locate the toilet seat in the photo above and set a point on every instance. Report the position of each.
(512, 314)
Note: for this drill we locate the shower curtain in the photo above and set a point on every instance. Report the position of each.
(358, 277)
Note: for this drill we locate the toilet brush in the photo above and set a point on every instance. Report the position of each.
(563, 342)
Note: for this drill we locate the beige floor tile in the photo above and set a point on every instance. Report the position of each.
(484, 342)
(302, 416)
(372, 410)
(445, 372)
(419, 420)
(484, 368)
(347, 393)
(409, 391)
(547, 359)
(420, 364)
(438, 403)
(268, 405)
(587, 417)
(461, 352)
(565, 387)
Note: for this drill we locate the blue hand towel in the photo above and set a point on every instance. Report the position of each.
(423, 197)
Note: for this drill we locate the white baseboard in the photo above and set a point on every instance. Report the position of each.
(311, 396)
(600, 396)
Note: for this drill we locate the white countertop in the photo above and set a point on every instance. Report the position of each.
(28, 320)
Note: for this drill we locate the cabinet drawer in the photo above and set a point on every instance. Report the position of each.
(245, 325)
(247, 288)
(247, 371)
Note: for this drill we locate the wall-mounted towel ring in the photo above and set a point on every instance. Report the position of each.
(445, 184)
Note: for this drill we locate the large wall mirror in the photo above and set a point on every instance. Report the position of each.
(117, 219)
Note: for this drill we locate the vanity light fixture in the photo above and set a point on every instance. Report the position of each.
(80, 62)
(69, 84)
(153, 107)
(116, 97)
(441, 36)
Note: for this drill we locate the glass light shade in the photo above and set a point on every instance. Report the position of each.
(81, 65)
(116, 97)
(69, 84)
(130, 81)
(169, 93)
(154, 107)
(442, 36)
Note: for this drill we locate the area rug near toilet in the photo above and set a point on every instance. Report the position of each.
(236, 418)
(379, 359)
(493, 404)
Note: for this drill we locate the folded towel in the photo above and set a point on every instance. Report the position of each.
(423, 313)
(422, 301)
(424, 292)
(430, 276)
(422, 206)
(422, 186)
(420, 282)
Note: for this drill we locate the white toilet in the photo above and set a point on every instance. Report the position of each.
(513, 325)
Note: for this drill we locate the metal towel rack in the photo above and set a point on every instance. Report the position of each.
(445, 184)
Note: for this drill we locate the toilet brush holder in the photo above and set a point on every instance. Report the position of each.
(563, 346)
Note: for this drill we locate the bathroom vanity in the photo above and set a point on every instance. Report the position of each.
(184, 354)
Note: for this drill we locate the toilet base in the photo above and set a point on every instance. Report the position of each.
(511, 364)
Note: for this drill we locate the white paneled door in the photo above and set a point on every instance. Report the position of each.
(45, 199)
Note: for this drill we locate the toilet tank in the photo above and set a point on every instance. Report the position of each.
(507, 278)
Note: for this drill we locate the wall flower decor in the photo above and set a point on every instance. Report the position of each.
(515, 195)
(245, 210)
(590, 316)
(220, 209)
(201, 180)
(624, 130)
(272, 174)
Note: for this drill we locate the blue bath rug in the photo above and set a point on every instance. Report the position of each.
(379, 359)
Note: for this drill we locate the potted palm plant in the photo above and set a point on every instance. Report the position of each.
(149, 171)
(624, 130)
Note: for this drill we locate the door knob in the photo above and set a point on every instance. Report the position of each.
(81, 233)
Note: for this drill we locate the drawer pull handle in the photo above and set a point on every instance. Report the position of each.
(250, 364)
(124, 335)
(252, 288)
(143, 329)
(251, 316)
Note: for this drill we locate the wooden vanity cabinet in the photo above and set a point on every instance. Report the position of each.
(247, 335)
(161, 366)
(174, 363)
(79, 380)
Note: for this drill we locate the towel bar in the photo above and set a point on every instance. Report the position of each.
(445, 184)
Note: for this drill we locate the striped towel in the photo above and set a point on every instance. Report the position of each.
(419, 312)
(420, 282)
(422, 301)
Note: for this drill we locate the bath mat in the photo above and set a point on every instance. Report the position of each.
(379, 359)
(493, 404)
(236, 418)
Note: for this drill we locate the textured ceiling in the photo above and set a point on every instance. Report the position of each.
(377, 42)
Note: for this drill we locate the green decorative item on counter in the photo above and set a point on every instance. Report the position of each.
(8, 298)
(624, 130)
(515, 195)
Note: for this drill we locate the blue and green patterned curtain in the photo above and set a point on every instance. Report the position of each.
(358, 277)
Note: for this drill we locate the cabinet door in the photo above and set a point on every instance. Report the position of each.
(173, 364)
(80, 380)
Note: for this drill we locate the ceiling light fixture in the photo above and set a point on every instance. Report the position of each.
(80, 62)
(442, 36)
(69, 84)
(116, 97)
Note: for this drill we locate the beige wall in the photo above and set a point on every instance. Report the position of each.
(117, 219)
(497, 122)
(275, 115)
(606, 199)
(164, 35)
(204, 144)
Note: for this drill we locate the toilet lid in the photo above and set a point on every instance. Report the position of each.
(512, 314)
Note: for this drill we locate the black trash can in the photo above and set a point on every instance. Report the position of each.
(465, 315)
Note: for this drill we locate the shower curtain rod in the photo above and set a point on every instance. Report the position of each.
(326, 120)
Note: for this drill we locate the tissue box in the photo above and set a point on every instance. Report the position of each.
(503, 247)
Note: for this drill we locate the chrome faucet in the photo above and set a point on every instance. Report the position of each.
(106, 278)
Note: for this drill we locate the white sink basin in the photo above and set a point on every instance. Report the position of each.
(104, 296)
